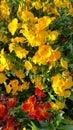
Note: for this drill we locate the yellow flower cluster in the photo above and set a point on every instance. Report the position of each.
(61, 84)
(46, 54)
(57, 105)
(4, 9)
(14, 87)
(5, 64)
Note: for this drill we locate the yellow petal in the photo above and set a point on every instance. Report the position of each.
(64, 63)
(13, 25)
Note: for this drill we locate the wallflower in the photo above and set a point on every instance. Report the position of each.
(20, 52)
(11, 47)
(11, 103)
(12, 26)
(61, 85)
(64, 63)
(4, 62)
(36, 108)
(63, 4)
(12, 87)
(20, 74)
(23, 86)
(37, 81)
(28, 65)
(70, 10)
(41, 111)
(4, 9)
(2, 78)
(57, 105)
(53, 35)
(43, 22)
(42, 55)
(18, 40)
(37, 5)
(3, 110)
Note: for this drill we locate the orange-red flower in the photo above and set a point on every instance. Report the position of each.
(36, 108)
(39, 93)
(41, 111)
(3, 110)
(11, 102)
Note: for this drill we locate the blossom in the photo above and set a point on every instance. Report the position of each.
(39, 93)
(11, 102)
(3, 110)
(13, 25)
(64, 63)
(57, 105)
(4, 9)
(36, 108)
(28, 65)
(61, 85)
(41, 111)
(21, 52)
(20, 74)
(2, 78)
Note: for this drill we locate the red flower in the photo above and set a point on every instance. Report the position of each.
(3, 110)
(29, 105)
(41, 111)
(39, 93)
(9, 126)
(11, 102)
(36, 108)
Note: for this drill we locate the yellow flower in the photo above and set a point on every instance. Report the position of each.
(57, 105)
(20, 52)
(43, 22)
(20, 74)
(4, 63)
(37, 5)
(53, 35)
(28, 65)
(12, 87)
(11, 47)
(24, 128)
(18, 40)
(64, 63)
(42, 55)
(2, 78)
(67, 94)
(8, 88)
(70, 10)
(61, 85)
(27, 15)
(13, 25)
(24, 86)
(4, 9)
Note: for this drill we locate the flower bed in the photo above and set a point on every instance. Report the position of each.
(36, 66)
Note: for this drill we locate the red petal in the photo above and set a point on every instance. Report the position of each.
(39, 92)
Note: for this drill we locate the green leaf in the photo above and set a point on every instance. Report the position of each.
(66, 127)
(34, 127)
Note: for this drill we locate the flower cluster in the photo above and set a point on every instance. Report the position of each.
(36, 49)
(62, 85)
(36, 107)
(7, 121)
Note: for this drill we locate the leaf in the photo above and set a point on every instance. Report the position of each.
(66, 127)
(34, 127)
